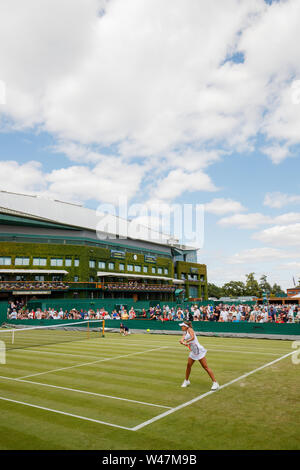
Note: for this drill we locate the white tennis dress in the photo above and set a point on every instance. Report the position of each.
(197, 350)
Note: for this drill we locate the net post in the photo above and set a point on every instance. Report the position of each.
(103, 325)
(88, 330)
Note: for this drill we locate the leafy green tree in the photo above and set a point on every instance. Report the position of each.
(277, 291)
(252, 286)
(264, 285)
(234, 289)
(214, 291)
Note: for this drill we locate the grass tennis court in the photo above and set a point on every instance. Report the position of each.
(125, 393)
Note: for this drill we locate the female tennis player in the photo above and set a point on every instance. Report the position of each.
(197, 353)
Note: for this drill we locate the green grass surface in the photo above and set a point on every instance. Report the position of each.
(127, 376)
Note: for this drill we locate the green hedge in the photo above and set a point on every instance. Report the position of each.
(84, 253)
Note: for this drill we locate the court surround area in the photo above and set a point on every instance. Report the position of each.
(116, 392)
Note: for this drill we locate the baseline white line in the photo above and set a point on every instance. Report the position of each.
(153, 343)
(93, 362)
(157, 343)
(65, 413)
(146, 423)
(183, 405)
(169, 347)
(231, 351)
(84, 391)
(37, 352)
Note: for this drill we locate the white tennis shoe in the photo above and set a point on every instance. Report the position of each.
(215, 386)
(186, 383)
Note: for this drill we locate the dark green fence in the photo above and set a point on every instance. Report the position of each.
(286, 329)
(3, 311)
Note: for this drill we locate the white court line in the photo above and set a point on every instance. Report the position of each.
(173, 346)
(146, 423)
(157, 343)
(37, 352)
(183, 405)
(83, 391)
(169, 347)
(153, 343)
(64, 413)
(246, 352)
(231, 351)
(93, 362)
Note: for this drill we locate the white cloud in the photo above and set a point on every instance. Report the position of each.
(252, 220)
(220, 206)
(277, 200)
(151, 81)
(149, 76)
(246, 221)
(288, 218)
(291, 266)
(285, 235)
(258, 255)
(39, 47)
(105, 182)
(277, 153)
(179, 181)
(24, 178)
(143, 98)
(277, 264)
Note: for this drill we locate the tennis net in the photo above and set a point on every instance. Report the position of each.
(16, 336)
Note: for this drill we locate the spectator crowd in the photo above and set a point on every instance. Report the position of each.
(220, 313)
(32, 286)
(136, 286)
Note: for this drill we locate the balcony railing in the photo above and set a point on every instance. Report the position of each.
(138, 287)
(28, 286)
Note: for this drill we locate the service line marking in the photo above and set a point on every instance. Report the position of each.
(158, 417)
(37, 352)
(194, 400)
(171, 344)
(83, 391)
(169, 347)
(93, 362)
(64, 413)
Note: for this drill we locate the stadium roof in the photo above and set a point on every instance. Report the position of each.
(75, 216)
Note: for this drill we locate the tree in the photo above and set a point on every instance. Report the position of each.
(277, 291)
(252, 286)
(264, 286)
(234, 289)
(214, 291)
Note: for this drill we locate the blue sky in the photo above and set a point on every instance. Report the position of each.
(180, 102)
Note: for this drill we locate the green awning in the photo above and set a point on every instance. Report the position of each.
(178, 291)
